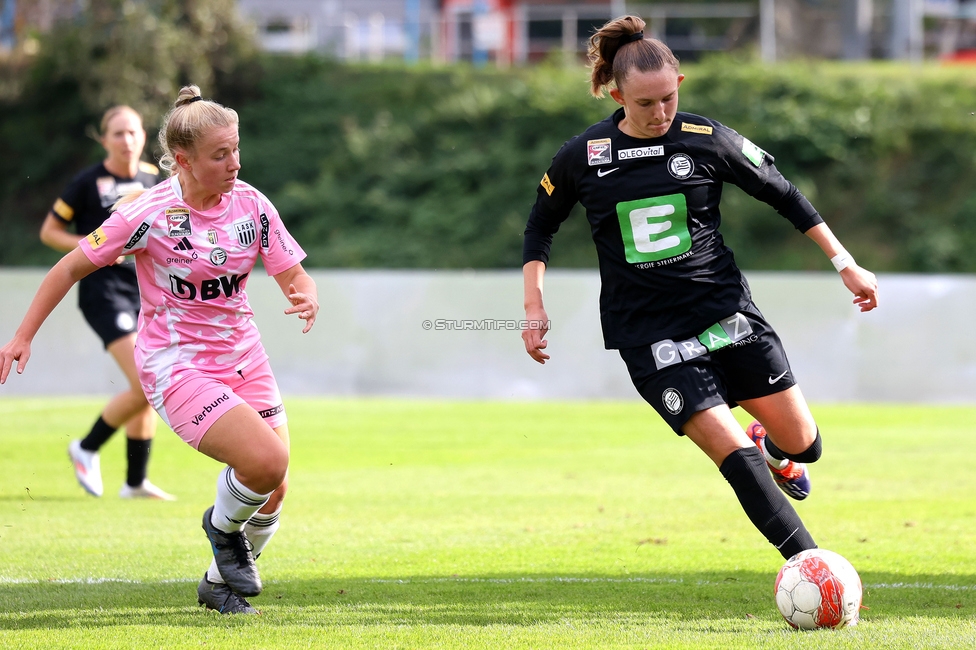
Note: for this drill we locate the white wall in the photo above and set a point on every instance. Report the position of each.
(370, 338)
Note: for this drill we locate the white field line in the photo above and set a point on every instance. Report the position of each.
(405, 581)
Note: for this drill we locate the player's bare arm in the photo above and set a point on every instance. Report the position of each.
(55, 234)
(72, 267)
(537, 321)
(859, 281)
(299, 287)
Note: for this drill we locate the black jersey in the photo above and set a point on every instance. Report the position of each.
(653, 208)
(87, 202)
(88, 198)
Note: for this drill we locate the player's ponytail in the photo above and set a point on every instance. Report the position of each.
(188, 121)
(620, 46)
(128, 197)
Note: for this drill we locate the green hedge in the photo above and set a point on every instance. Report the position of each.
(389, 166)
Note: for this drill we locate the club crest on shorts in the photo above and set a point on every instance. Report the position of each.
(246, 232)
(599, 152)
(673, 401)
(681, 166)
(125, 321)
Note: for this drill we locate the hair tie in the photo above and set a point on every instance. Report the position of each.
(195, 99)
(636, 36)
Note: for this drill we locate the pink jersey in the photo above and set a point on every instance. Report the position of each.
(192, 267)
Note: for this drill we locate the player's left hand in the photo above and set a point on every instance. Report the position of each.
(863, 284)
(16, 350)
(306, 306)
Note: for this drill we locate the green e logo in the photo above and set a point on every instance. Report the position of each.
(654, 229)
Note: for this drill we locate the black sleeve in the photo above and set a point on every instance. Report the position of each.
(554, 201)
(72, 199)
(752, 169)
(783, 196)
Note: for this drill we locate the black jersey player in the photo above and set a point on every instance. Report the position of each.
(673, 301)
(109, 297)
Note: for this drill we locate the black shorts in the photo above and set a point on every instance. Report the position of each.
(109, 300)
(738, 358)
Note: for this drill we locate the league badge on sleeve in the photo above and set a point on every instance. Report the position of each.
(96, 238)
(752, 152)
(599, 152)
(178, 222)
(547, 184)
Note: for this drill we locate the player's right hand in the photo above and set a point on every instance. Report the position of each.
(16, 350)
(534, 333)
(863, 284)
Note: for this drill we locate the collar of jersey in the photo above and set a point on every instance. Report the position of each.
(619, 115)
(174, 183)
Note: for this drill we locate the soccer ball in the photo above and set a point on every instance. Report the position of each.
(818, 588)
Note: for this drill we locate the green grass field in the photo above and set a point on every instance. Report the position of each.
(488, 524)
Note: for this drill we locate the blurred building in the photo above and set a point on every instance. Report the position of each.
(519, 31)
(347, 29)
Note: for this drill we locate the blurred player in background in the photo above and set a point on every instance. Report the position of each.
(109, 298)
(196, 238)
(673, 301)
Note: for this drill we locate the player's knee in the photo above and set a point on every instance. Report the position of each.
(276, 468)
(266, 470)
(812, 453)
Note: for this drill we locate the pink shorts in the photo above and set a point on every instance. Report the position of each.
(199, 398)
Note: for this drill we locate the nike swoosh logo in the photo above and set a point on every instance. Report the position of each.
(773, 380)
(603, 172)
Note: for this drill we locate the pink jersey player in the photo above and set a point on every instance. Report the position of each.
(196, 239)
(192, 267)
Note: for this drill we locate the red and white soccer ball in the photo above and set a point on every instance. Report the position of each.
(818, 588)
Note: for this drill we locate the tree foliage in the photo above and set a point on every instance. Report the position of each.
(437, 167)
(114, 52)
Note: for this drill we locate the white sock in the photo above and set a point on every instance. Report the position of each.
(235, 504)
(778, 463)
(259, 530)
(213, 573)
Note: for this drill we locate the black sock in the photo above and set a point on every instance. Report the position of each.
(98, 436)
(810, 455)
(137, 452)
(745, 470)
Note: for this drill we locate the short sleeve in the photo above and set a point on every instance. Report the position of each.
(279, 250)
(116, 236)
(70, 201)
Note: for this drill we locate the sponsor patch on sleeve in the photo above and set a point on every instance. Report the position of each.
(547, 184)
(63, 210)
(696, 128)
(599, 152)
(97, 238)
(136, 236)
(752, 152)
